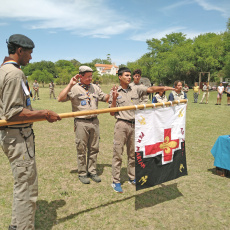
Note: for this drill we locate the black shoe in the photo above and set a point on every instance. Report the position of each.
(95, 178)
(84, 179)
(12, 227)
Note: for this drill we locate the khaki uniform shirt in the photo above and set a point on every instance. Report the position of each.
(35, 85)
(130, 96)
(82, 102)
(51, 86)
(144, 99)
(12, 95)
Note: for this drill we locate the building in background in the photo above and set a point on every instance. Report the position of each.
(107, 69)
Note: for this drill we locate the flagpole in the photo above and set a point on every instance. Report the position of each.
(97, 111)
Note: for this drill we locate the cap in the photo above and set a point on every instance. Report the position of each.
(85, 68)
(21, 40)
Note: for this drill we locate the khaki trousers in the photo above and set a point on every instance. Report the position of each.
(124, 134)
(36, 93)
(21, 155)
(87, 144)
(52, 93)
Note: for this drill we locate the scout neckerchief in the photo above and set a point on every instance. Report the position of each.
(11, 62)
(86, 87)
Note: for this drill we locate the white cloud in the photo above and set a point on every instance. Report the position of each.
(221, 6)
(85, 18)
(177, 4)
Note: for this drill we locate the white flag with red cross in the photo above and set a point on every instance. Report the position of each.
(160, 145)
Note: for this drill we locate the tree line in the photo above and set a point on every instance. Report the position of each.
(169, 58)
(175, 57)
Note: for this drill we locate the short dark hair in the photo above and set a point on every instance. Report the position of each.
(12, 48)
(176, 82)
(122, 70)
(137, 71)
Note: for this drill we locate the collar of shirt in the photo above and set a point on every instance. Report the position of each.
(9, 60)
(125, 90)
(86, 87)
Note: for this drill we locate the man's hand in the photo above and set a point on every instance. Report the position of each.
(74, 79)
(115, 93)
(51, 116)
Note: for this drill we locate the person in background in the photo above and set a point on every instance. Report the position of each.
(51, 86)
(196, 92)
(159, 97)
(185, 88)
(17, 141)
(227, 90)
(36, 90)
(220, 90)
(205, 90)
(178, 94)
(136, 82)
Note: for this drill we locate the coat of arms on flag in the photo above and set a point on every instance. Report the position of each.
(160, 145)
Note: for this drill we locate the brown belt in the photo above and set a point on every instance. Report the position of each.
(9, 127)
(131, 122)
(86, 119)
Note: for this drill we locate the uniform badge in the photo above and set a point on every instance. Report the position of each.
(83, 102)
(119, 97)
(28, 102)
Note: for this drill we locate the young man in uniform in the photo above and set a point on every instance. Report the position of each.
(17, 141)
(51, 86)
(136, 82)
(124, 131)
(36, 90)
(85, 96)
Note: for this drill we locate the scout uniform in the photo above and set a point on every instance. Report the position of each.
(36, 90)
(83, 98)
(144, 99)
(177, 96)
(159, 99)
(51, 86)
(17, 141)
(124, 130)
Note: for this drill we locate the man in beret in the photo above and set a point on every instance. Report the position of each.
(85, 96)
(124, 130)
(17, 141)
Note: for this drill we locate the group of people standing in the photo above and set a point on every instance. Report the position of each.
(36, 90)
(17, 141)
(205, 89)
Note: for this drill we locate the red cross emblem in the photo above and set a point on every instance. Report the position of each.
(167, 147)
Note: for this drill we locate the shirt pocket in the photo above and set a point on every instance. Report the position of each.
(135, 99)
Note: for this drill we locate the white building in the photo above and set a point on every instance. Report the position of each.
(106, 69)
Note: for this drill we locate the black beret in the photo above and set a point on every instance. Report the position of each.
(21, 40)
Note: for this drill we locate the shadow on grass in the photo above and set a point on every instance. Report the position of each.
(143, 200)
(100, 170)
(157, 196)
(46, 213)
(213, 171)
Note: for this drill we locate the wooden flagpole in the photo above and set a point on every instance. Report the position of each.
(97, 111)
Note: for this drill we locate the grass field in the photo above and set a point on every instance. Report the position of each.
(197, 201)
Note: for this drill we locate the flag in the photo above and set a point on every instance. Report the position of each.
(159, 145)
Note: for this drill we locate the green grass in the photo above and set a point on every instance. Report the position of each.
(197, 201)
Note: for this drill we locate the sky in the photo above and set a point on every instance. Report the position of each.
(88, 29)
